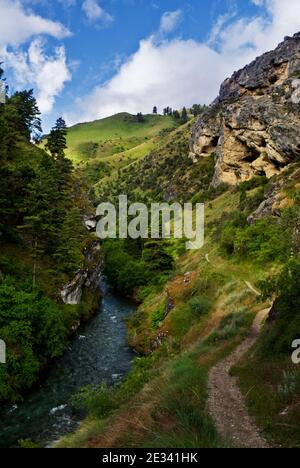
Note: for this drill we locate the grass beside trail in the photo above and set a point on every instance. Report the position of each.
(272, 392)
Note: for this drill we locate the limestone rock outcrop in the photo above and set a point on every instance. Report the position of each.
(253, 127)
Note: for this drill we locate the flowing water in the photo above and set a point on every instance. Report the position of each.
(99, 353)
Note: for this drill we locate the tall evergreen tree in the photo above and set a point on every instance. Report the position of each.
(184, 116)
(69, 254)
(176, 115)
(57, 140)
(197, 109)
(26, 113)
(140, 117)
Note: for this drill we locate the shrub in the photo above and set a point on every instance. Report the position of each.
(253, 183)
(98, 402)
(230, 326)
(263, 242)
(200, 306)
(284, 324)
(156, 319)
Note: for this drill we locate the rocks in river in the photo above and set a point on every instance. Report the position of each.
(116, 377)
(12, 409)
(57, 409)
(253, 127)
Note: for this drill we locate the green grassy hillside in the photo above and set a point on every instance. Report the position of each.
(113, 135)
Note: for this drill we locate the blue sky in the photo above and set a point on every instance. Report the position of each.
(87, 59)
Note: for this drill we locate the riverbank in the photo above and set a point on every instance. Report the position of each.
(98, 353)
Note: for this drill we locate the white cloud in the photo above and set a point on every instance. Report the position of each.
(18, 25)
(169, 21)
(94, 12)
(32, 67)
(179, 72)
(47, 74)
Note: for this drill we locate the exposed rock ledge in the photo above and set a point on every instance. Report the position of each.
(71, 293)
(253, 127)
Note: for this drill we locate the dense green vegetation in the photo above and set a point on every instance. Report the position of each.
(42, 239)
(35, 331)
(130, 264)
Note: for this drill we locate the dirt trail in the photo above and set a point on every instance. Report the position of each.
(249, 285)
(226, 403)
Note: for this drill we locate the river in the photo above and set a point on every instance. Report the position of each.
(98, 353)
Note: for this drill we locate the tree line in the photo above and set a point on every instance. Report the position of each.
(181, 117)
(41, 240)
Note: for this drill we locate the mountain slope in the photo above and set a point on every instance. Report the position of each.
(113, 135)
(194, 316)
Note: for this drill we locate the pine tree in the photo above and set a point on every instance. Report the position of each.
(184, 116)
(26, 116)
(69, 254)
(56, 145)
(197, 109)
(155, 111)
(176, 115)
(57, 140)
(140, 117)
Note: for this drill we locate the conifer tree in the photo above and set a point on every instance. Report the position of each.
(69, 254)
(57, 140)
(26, 113)
(184, 116)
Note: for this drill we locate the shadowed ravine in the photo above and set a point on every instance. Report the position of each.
(99, 352)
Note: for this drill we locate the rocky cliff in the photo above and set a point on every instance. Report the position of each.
(253, 127)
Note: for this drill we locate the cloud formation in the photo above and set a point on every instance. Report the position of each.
(169, 21)
(48, 74)
(33, 66)
(95, 13)
(18, 25)
(183, 72)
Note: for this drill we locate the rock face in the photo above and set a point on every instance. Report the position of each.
(71, 293)
(253, 127)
